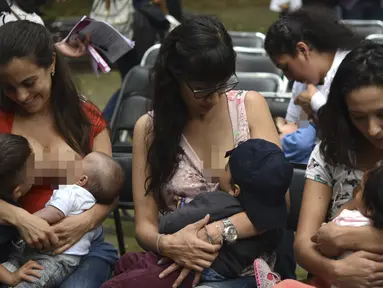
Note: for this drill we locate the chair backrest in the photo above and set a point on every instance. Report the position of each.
(365, 27)
(260, 82)
(136, 82)
(252, 62)
(252, 51)
(133, 102)
(296, 194)
(125, 160)
(278, 106)
(132, 108)
(150, 56)
(378, 38)
(248, 39)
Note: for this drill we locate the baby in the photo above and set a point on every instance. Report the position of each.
(257, 178)
(99, 180)
(297, 143)
(367, 210)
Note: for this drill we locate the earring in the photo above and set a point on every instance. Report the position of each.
(53, 73)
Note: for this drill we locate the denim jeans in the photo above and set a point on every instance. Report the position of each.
(95, 268)
(209, 275)
(91, 273)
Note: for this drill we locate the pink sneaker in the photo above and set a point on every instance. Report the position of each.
(263, 275)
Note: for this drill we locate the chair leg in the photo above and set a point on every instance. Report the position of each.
(119, 231)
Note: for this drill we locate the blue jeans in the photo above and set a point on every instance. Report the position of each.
(95, 268)
(209, 275)
(242, 282)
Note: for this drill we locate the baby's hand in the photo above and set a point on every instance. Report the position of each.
(27, 272)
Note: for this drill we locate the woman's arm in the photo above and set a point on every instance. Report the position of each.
(261, 123)
(316, 198)
(145, 208)
(366, 238)
(35, 231)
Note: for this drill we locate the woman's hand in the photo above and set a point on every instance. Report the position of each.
(304, 99)
(188, 251)
(74, 49)
(202, 234)
(359, 270)
(326, 240)
(70, 230)
(36, 232)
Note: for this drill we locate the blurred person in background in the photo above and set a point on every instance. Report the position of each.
(145, 22)
(13, 10)
(362, 10)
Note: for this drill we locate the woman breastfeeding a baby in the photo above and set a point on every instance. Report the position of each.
(342, 180)
(179, 152)
(39, 101)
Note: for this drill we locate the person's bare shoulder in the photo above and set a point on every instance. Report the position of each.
(143, 128)
(253, 99)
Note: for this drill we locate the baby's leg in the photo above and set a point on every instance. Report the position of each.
(12, 265)
(15, 261)
(55, 270)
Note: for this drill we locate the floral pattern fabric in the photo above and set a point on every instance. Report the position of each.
(341, 179)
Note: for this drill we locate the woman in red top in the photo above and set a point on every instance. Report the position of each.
(39, 101)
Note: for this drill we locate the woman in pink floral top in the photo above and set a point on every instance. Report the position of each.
(179, 148)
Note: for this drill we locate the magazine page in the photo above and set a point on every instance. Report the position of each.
(104, 38)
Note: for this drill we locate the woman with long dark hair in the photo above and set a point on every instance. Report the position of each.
(352, 142)
(40, 102)
(179, 148)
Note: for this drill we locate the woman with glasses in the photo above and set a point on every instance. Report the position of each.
(179, 152)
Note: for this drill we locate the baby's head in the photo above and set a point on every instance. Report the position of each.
(16, 163)
(102, 176)
(259, 174)
(369, 198)
(284, 127)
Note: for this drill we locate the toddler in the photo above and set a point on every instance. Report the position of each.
(99, 180)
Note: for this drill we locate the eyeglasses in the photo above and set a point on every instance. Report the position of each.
(220, 89)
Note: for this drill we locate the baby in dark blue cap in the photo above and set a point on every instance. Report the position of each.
(256, 180)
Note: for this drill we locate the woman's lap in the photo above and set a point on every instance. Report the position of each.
(95, 268)
(92, 272)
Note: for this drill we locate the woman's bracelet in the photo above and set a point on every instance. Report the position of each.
(209, 238)
(159, 236)
(220, 232)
